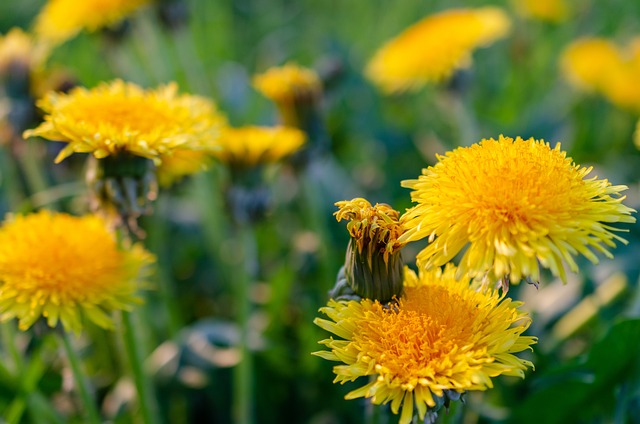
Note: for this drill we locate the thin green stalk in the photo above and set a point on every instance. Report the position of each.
(147, 400)
(243, 403)
(88, 402)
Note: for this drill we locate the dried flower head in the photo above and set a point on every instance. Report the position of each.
(432, 49)
(441, 336)
(62, 268)
(512, 204)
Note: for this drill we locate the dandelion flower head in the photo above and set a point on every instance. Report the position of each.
(120, 117)
(441, 335)
(288, 83)
(16, 47)
(252, 146)
(512, 204)
(60, 20)
(63, 268)
(376, 227)
(598, 65)
(545, 10)
(432, 49)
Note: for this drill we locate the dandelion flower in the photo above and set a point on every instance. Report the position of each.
(253, 146)
(373, 264)
(288, 83)
(180, 164)
(554, 11)
(16, 49)
(512, 204)
(441, 336)
(63, 268)
(598, 65)
(432, 49)
(120, 117)
(60, 20)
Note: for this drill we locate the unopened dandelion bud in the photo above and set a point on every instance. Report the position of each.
(373, 266)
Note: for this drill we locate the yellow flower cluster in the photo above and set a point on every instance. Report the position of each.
(441, 335)
(63, 268)
(598, 65)
(432, 49)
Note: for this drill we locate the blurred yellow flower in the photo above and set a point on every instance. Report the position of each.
(597, 64)
(182, 163)
(16, 49)
(512, 204)
(432, 49)
(442, 335)
(637, 135)
(288, 83)
(253, 146)
(63, 268)
(545, 10)
(121, 117)
(60, 20)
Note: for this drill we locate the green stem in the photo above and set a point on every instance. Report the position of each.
(88, 401)
(242, 377)
(146, 399)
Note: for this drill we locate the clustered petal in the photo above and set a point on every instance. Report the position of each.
(376, 227)
(443, 334)
(513, 204)
(432, 49)
(120, 116)
(62, 268)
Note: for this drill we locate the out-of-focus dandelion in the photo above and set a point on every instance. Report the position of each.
(373, 264)
(60, 20)
(442, 338)
(512, 204)
(431, 50)
(128, 130)
(64, 268)
(292, 88)
(252, 146)
(598, 65)
(554, 11)
(636, 135)
(16, 52)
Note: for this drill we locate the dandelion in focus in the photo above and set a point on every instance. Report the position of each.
(511, 205)
(373, 263)
(442, 338)
(60, 20)
(64, 268)
(431, 50)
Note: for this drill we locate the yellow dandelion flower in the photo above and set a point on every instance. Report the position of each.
(432, 49)
(287, 84)
(585, 62)
(441, 336)
(512, 204)
(373, 264)
(63, 268)
(637, 135)
(60, 20)
(121, 117)
(16, 48)
(545, 10)
(182, 163)
(252, 146)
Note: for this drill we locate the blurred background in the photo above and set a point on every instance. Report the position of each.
(587, 359)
